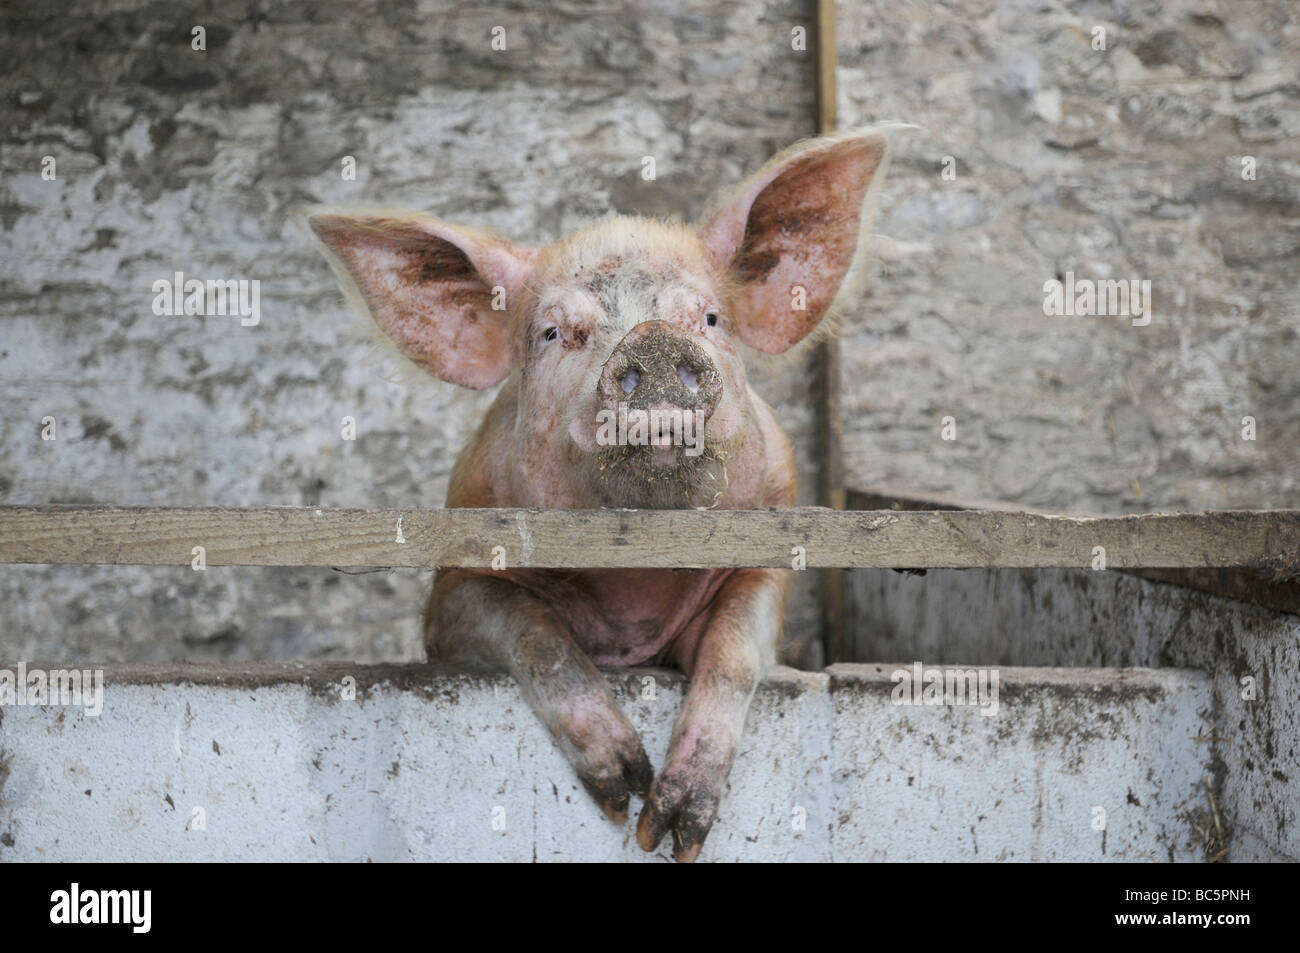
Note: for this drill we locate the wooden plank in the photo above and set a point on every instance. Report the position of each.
(686, 539)
(830, 415)
(1272, 583)
(884, 498)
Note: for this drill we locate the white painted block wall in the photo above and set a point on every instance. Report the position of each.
(421, 762)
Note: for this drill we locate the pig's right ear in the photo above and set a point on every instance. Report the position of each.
(430, 287)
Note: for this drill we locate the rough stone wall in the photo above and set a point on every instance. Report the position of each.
(1117, 163)
(168, 159)
(1122, 163)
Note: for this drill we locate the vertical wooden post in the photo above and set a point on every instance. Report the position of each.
(830, 489)
(827, 119)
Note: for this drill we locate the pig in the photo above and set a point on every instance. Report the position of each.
(626, 316)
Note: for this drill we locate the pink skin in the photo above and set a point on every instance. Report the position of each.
(675, 304)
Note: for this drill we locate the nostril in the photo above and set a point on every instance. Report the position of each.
(630, 380)
(688, 377)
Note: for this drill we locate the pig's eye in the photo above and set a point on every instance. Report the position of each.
(712, 319)
(551, 333)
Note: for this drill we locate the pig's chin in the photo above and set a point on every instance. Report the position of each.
(650, 477)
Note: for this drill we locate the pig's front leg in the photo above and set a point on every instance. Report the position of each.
(725, 665)
(481, 621)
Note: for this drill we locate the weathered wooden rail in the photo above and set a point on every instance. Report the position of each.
(291, 536)
(1273, 581)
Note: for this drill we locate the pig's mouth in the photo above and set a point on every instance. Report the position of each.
(662, 475)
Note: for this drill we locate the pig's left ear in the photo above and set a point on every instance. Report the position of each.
(791, 235)
(430, 287)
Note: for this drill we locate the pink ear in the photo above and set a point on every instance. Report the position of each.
(429, 287)
(795, 224)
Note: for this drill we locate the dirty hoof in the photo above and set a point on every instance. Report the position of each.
(612, 793)
(687, 813)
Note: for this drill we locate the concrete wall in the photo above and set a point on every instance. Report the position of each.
(1122, 163)
(1103, 620)
(174, 160)
(423, 761)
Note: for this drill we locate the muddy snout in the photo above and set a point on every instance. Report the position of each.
(657, 367)
(661, 388)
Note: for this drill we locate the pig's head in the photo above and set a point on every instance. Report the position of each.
(626, 339)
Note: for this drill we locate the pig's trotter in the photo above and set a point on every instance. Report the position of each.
(492, 622)
(725, 666)
(684, 800)
(612, 793)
